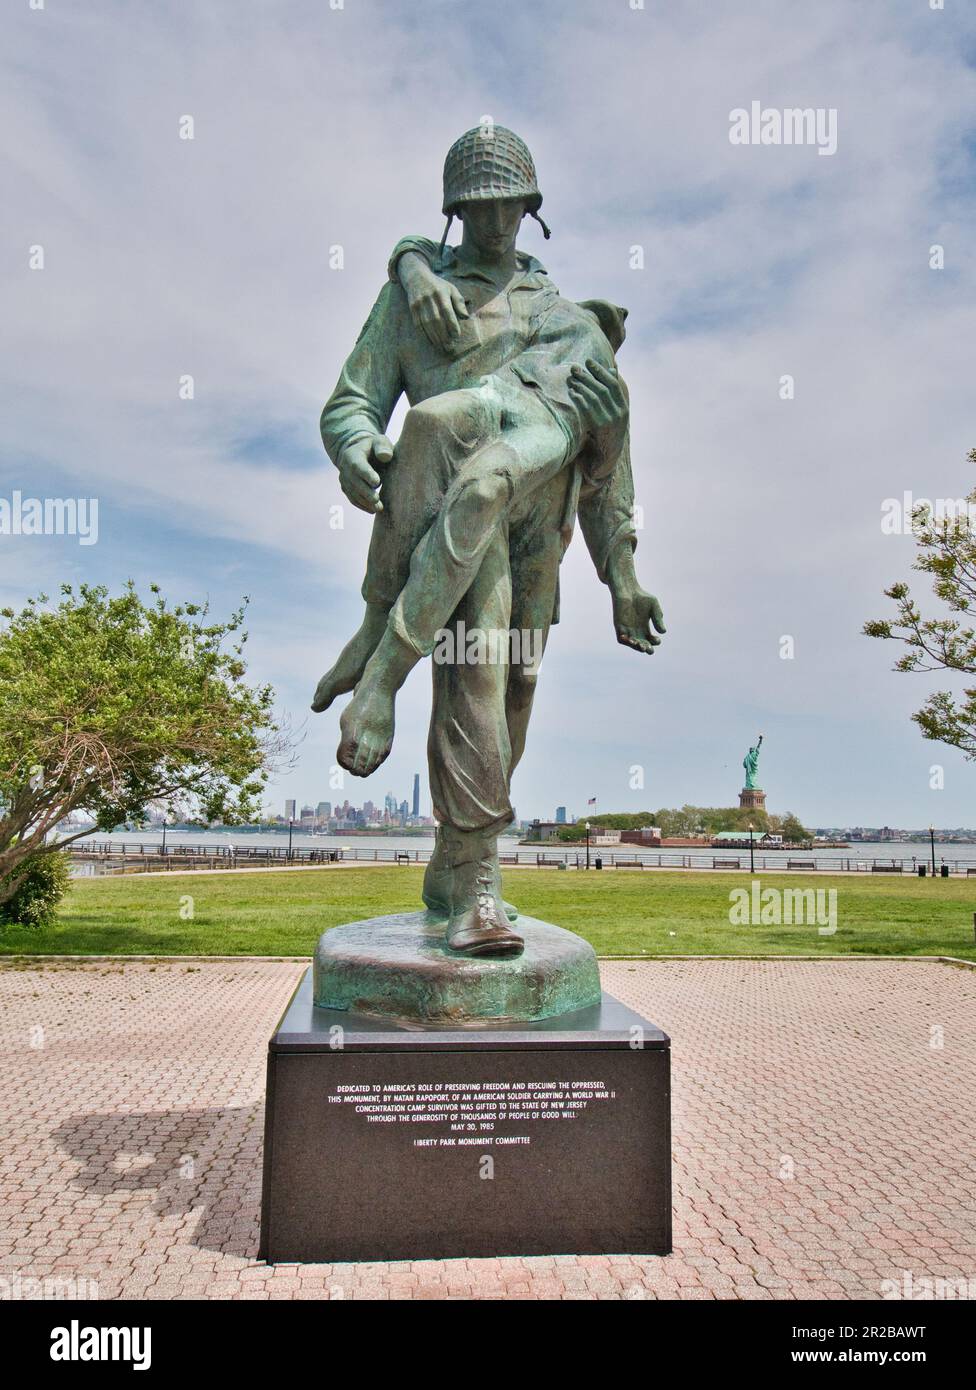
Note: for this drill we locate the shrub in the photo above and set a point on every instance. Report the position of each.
(35, 900)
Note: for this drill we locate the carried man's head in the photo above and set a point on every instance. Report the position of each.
(490, 183)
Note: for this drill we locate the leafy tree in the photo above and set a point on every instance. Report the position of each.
(791, 829)
(41, 884)
(108, 704)
(710, 820)
(947, 551)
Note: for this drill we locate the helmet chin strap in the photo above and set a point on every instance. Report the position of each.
(440, 249)
(450, 218)
(545, 230)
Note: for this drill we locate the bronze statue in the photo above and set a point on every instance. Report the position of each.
(518, 423)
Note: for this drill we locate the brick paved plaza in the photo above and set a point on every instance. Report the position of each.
(823, 1134)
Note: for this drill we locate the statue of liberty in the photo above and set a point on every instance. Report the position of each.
(751, 764)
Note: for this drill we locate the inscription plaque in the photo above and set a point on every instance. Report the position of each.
(387, 1142)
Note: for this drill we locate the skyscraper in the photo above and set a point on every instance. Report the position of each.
(416, 794)
(560, 815)
(289, 810)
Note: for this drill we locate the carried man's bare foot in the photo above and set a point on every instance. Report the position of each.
(366, 726)
(367, 721)
(347, 672)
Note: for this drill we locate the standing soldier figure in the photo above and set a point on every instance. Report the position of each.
(518, 421)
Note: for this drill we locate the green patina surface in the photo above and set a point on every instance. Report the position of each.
(518, 424)
(751, 764)
(400, 966)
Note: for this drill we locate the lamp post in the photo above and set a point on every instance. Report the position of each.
(290, 824)
(752, 861)
(587, 844)
(164, 837)
(932, 843)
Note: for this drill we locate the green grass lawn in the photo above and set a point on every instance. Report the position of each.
(621, 913)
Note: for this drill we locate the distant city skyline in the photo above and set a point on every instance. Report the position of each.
(564, 816)
(346, 813)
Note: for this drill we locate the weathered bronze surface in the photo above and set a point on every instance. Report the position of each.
(401, 967)
(519, 422)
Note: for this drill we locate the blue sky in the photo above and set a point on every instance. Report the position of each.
(315, 127)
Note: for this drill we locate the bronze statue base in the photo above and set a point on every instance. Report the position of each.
(401, 967)
(752, 799)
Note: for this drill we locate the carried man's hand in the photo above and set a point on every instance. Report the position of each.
(435, 304)
(600, 394)
(637, 617)
(358, 477)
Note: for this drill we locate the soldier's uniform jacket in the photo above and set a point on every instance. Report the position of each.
(527, 333)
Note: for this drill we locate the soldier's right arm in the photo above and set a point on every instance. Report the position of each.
(358, 411)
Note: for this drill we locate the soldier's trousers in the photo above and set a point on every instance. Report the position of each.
(473, 529)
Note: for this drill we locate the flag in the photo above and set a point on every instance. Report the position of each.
(592, 801)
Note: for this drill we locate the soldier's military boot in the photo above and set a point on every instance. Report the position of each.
(478, 924)
(436, 891)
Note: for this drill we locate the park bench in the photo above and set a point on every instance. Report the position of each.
(970, 870)
(726, 864)
(544, 859)
(508, 859)
(628, 863)
(801, 864)
(402, 857)
(887, 868)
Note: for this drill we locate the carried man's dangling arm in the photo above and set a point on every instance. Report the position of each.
(435, 304)
(606, 516)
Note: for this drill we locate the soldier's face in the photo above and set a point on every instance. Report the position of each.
(493, 224)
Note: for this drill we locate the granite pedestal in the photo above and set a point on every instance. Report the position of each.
(389, 1140)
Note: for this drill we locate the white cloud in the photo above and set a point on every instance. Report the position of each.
(315, 127)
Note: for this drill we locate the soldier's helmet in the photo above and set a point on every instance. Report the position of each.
(489, 162)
